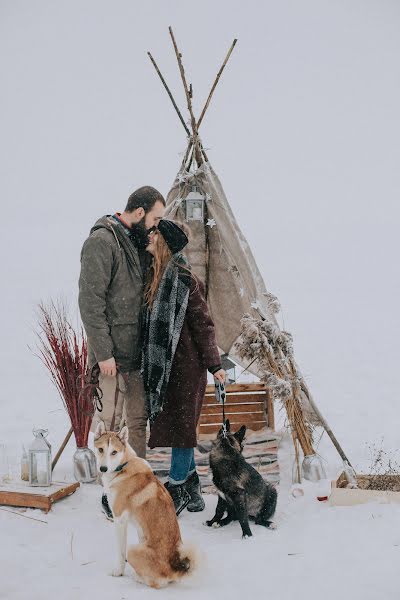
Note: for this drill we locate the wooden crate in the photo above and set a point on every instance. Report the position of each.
(246, 404)
(343, 496)
(22, 494)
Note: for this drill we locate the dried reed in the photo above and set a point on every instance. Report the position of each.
(63, 351)
(262, 341)
(384, 470)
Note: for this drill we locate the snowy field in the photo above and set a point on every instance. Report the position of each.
(317, 551)
(304, 133)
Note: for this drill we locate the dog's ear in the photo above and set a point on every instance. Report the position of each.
(100, 429)
(124, 435)
(239, 435)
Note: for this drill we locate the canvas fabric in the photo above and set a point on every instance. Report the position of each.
(235, 285)
(221, 257)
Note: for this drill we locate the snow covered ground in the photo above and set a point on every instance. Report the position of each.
(315, 552)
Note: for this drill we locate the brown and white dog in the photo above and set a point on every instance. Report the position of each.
(136, 495)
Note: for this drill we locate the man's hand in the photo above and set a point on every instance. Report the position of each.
(108, 367)
(220, 376)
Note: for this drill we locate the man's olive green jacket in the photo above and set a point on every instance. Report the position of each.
(111, 295)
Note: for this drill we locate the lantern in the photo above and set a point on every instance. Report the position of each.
(40, 459)
(194, 205)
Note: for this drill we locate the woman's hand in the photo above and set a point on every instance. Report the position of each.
(220, 376)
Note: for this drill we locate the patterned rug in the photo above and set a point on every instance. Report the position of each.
(260, 450)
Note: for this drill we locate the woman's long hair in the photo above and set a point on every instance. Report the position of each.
(162, 256)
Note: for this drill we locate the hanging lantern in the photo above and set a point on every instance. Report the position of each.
(40, 459)
(194, 205)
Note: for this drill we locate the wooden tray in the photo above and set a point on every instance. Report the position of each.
(22, 494)
(343, 496)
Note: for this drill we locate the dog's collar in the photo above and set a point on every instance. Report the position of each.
(120, 467)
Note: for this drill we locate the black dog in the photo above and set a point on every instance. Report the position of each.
(243, 493)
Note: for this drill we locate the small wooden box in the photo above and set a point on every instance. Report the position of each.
(343, 496)
(22, 494)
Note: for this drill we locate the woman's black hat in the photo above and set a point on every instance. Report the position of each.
(175, 238)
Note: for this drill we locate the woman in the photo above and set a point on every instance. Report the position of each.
(179, 347)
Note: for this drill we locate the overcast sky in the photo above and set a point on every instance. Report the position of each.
(303, 131)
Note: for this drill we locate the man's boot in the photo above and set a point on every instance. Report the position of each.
(179, 496)
(105, 507)
(193, 488)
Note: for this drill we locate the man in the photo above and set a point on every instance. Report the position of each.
(110, 299)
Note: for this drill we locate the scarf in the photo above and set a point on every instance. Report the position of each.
(163, 326)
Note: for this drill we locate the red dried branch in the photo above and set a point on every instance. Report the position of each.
(64, 353)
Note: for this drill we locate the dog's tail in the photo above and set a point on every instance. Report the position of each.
(185, 560)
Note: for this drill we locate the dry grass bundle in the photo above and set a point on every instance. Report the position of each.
(384, 471)
(262, 342)
(64, 353)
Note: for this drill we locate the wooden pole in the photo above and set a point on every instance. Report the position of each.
(324, 423)
(169, 94)
(61, 449)
(198, 155)
(270, 410)
(189, 95)
(188, 152)
(203, 112)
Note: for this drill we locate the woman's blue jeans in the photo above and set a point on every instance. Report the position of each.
(182, 465)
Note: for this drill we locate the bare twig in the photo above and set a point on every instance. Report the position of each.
(169, 94)
(384, 470)
(14, 512)
(62, 447)
(199, 159)
(203, 112)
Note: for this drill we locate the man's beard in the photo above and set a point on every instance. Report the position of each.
(140, 235)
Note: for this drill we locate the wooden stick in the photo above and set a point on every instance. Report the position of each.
(189, 148)
(203, 112)
(62, 447)
(14, 512)
(169, 94)
(191, 158)
(324, 423)
(296, 451)
(270, 411)
(188, 99)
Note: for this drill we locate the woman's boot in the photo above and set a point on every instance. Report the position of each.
(179, 496)
(193, 488)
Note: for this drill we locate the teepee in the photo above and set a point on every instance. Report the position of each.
(243, 310)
